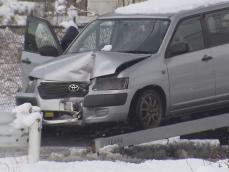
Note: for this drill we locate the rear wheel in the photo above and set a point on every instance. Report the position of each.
(149, 109)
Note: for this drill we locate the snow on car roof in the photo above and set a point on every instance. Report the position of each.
(166, 6)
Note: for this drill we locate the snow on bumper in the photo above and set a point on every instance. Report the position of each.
(26, 115)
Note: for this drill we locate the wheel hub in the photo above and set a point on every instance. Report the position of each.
(150, 110)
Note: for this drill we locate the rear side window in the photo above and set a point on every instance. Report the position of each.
(218, 28)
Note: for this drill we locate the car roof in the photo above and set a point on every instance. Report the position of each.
(116, 15)
(202, 9)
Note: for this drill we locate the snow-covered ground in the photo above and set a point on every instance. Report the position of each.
(187, 165)
(14, 11)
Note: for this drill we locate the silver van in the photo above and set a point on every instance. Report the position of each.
(136, 68)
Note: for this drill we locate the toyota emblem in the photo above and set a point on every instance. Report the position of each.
(73, 88)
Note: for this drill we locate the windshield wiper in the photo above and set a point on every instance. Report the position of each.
(136, 52)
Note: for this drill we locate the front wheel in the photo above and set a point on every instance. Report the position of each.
(149, 109)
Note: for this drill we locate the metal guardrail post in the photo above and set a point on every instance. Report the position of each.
(34, 142)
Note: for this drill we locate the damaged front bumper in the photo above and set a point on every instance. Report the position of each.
(97, 108)
(82, 88)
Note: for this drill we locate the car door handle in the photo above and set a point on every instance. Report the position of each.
(26, 61)
(206, 58)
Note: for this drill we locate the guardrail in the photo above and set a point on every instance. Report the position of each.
(18, 130)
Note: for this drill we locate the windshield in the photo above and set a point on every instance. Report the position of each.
(122, 35)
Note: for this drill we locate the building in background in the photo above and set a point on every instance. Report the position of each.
(88, 7)
(106, 6)
(14, 12)
(84, 10)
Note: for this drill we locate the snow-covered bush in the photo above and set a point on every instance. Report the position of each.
(179, 150)
(15, 12)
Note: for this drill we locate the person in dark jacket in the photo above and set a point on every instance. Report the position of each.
(69, 36)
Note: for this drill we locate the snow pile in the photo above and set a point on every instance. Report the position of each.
(186, 165)
(11, 10)
(165, 6)
(107, 48)
(178, 140)
(139, 153)
(26, 115)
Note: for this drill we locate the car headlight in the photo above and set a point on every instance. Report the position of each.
(111, 83)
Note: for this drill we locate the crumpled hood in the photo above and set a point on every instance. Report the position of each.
(83, 66)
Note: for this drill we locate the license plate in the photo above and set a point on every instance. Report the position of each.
(49, 114)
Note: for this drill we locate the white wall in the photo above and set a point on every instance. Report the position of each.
(102, 6)
(106, 6)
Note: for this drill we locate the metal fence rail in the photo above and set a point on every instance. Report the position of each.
(10, 73)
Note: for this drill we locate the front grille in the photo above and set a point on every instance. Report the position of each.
(58, 90)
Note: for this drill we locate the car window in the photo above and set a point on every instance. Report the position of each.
(92, 40)
(38, 36)
(105, 33)
(89, 43)
(218, 28)
(44, 36)
(134, 35)
(190, 32)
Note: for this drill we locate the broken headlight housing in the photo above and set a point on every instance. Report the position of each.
(31, 87)
(110, 83)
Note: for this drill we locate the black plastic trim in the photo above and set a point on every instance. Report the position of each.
(60, 90)
(105, 100)
(22, 100)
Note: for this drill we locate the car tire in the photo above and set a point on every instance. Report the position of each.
(149, 109)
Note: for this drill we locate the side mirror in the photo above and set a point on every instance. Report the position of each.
(48, 51)
(178, 48)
